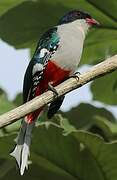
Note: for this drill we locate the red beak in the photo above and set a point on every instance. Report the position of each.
(92, 21)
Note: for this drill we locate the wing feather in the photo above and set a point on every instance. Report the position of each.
(46, 47)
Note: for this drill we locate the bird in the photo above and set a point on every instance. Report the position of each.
(56, 58)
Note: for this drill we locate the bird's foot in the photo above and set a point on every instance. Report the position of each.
(51, 88)
(76, 75)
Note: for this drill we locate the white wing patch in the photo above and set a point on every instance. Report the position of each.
(43, 52)
(37, 67)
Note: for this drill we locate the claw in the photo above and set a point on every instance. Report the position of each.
(51, 88)
(76, 75)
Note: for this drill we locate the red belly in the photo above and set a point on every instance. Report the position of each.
(53, 74)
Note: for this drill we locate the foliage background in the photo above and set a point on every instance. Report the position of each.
(80, 144)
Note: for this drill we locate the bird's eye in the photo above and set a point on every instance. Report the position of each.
(88, 16)
(77, 14)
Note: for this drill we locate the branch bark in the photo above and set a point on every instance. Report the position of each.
(96, 71)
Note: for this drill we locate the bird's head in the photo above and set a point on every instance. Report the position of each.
(76, 15)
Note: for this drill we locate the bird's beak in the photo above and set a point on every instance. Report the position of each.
(92, 21)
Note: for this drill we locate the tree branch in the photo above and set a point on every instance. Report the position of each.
(96, 71)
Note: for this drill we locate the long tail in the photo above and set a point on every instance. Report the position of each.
(21, 151)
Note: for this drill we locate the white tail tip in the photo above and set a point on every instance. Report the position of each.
(17, 154)
(21, 153)
(24, 162)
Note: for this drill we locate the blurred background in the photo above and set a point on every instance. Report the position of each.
(92, 107)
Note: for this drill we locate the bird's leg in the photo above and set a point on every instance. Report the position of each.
(51, 88)
(76, 75)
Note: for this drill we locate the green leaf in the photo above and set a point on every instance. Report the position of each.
(6, 142)
(104, 89)
(96, 120)
(5, 104)
(5, 167)
(6, 5)
(103, 153)
(64, 124)
(109, 129)
(100, 44)
(80, 155)
(84, 115)
(26, 31)
(98, 125)
(18, 99)
(65, 153)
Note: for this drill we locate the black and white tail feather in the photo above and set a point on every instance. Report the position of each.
(22, 149)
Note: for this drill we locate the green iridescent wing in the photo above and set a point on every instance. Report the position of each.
(47, 46)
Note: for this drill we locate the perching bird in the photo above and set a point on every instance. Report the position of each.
(56, 58)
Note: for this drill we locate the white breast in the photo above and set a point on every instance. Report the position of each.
(69, 52)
